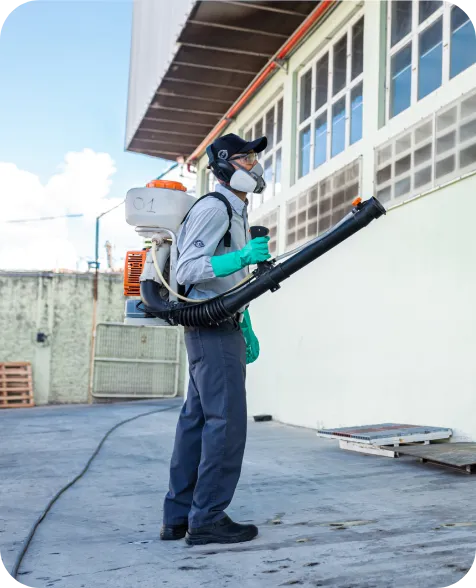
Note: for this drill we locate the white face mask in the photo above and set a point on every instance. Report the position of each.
(248, 181)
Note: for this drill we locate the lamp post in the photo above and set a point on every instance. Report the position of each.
(95, 300)
(96, 251)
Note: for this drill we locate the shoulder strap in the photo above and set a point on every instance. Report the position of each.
(224, 199)
(227, 235)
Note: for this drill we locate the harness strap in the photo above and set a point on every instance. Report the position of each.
(227, 236)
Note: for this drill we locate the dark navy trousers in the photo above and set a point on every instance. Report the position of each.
(211, 431)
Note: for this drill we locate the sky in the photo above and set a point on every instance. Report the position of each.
(64, 73)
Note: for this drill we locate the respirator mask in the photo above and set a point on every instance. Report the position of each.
(248, 181)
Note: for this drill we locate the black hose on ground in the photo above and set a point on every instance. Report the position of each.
(32, 532)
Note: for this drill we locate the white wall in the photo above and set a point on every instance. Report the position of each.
(380, 329)
(383, 328)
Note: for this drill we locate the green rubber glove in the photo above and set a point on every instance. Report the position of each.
(252, 343)
(253, 252)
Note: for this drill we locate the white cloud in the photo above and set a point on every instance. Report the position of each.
(81, 186)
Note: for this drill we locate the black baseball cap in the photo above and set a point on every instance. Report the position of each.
(230, 145)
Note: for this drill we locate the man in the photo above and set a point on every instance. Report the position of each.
(211, 431)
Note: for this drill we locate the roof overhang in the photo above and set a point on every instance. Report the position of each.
(224, 48)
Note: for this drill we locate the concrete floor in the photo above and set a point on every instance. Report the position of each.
(103, 532)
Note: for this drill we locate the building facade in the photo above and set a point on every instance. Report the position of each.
(375, 98)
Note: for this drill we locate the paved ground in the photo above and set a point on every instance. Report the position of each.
(327, 517)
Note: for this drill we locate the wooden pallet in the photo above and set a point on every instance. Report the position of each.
(16, 385)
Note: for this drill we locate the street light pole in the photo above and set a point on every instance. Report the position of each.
(95, 301)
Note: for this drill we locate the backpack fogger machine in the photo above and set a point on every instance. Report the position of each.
(150, 280)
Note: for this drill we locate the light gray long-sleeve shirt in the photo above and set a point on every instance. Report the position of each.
(201, 237)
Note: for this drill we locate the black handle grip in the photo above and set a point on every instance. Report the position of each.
(258, 231)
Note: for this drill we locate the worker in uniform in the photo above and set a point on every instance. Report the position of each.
(211, 431)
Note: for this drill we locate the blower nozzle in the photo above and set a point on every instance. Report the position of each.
(221, 308)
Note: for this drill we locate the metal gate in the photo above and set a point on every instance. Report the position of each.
(136, 362)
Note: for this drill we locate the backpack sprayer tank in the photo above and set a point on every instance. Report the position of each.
(155, 211)
(160, 205)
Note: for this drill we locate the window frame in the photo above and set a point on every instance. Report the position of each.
(417, 28)
(332, 99)
(257, 200)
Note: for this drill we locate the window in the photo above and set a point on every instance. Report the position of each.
(322, 206)
(330, 100)
(433, 152)
(271, 125)
(419, 36)
(430, 59)
(271, 221)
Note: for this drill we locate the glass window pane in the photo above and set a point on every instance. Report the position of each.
(340, 65)
(259, 129)
(403, 187)
(306, 88)
(249, 135)
(338, 127)
(324, 223)
(430, 52)
(268, 178)
(270, 129)
(356, 109)
(401, 83)
(463, 42)
(401, 19)
(358, 48)
(320, 140)
(304, 151)
(427, 8)
(322, 79)
(279, 130)
(277, 177)
(467, 156)
(423, 177)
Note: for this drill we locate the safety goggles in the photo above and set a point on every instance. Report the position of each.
(249, 158)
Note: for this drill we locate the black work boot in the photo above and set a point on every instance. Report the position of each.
(223, 531)
(173, 532)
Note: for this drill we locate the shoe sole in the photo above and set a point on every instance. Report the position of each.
(172, 536)
(205, 540)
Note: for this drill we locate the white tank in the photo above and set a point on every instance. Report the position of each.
(162, 204)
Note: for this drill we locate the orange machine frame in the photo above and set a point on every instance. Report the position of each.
(134, 265)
